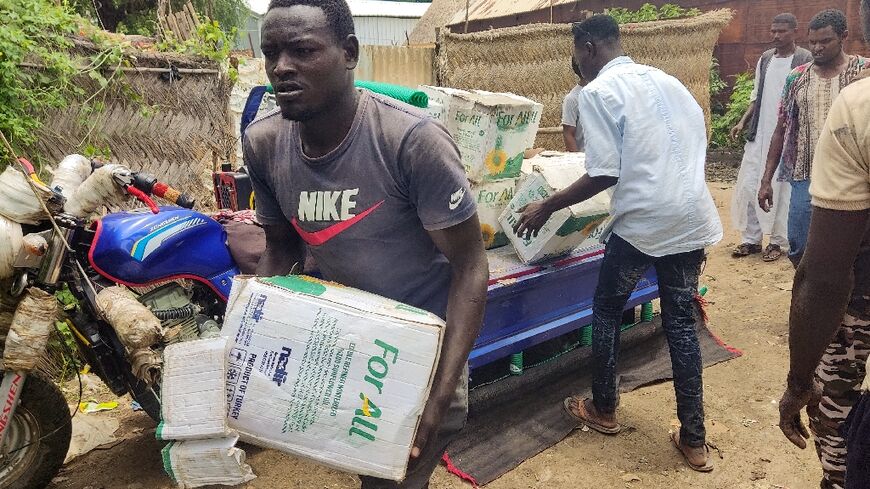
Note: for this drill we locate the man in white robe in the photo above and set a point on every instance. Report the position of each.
(759, 123)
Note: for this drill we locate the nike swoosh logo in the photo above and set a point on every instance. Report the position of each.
(318, 238)
(456, 199)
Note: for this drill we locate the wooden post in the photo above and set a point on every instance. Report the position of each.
(188, 7)
(173, 26)
(467, 6)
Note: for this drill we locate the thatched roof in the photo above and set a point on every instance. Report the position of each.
(438, 15)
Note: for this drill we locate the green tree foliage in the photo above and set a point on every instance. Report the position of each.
(648, 12)
(36, 71)
(41, 71)
(737, 106)
(140, 16)
(717, 84)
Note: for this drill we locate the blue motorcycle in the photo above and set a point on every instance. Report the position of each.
(173, 259)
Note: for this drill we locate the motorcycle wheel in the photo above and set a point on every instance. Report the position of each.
(42, 426)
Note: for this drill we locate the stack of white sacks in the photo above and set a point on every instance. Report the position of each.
(202, 448)
(85, 192)
(492, 131)
(29, 319)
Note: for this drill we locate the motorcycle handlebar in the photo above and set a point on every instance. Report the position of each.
(143, 197)
(150, 185)
(169, 193)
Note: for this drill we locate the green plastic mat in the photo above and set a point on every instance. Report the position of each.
(398, 92)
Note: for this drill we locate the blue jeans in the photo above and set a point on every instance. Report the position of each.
(799, 211)
(621, 269)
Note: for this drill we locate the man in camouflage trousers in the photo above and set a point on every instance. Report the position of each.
(830, 309)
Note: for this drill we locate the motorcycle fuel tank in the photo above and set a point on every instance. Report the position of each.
(139, 248)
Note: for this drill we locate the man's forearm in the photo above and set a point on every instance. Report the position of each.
(569, 136)
(583, 189)
(465, 306)
(285, 251)
(274, 263)
(748, 114)
(774, 154)
(822, 288)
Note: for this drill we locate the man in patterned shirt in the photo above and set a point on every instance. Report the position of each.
(809, 91)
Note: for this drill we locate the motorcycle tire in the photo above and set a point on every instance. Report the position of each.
(42, 426)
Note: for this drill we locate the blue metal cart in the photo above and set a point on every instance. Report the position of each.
(530, 304)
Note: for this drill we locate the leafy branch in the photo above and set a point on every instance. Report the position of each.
(737, 105)
(44, 67)
(648, 13)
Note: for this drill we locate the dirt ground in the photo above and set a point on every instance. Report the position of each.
(748, 309)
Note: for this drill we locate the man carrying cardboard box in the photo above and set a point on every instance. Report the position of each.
(377, 192)
(645, 136)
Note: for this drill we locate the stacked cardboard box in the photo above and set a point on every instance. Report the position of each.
(327, 372)
(492, 198)
(492, 131)
(544, 175)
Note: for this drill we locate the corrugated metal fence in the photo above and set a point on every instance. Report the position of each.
(402, 65)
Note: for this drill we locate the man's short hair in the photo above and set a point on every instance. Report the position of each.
(337, 14)
(788, 19)
(834, 18)
(599, 28)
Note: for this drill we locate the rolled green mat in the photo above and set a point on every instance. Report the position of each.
(398, 92)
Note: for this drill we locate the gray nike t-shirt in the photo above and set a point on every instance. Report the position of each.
(364, 209)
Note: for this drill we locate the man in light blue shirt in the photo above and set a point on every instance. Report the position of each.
(646, 138)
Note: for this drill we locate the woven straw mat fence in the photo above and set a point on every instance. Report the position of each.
(535, 61)
(185, 135)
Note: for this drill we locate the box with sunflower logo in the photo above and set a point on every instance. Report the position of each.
(327, 372)
(492, 131)
(439, 100)
(492, 198)
(544, 175)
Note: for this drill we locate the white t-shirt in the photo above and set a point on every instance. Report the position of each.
(571, 114)
(645, 128)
